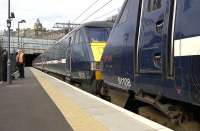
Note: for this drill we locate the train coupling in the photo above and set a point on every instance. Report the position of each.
(98, 75)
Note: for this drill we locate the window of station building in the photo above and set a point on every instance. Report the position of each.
(154, 5)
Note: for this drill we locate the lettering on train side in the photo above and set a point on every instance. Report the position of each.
(124, 81)
(107, 58)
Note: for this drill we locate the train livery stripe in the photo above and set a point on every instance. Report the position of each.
(62, 61)
(187, 47)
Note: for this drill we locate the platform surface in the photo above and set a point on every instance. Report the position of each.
(25, 106)
(43, 103)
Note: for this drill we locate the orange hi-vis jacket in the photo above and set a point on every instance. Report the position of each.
(20, 57)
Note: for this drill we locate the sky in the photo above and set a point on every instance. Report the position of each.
(52, 11)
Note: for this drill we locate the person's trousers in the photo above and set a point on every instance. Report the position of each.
(21, 70)
(4, 72)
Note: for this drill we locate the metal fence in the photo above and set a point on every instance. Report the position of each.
(29, 45)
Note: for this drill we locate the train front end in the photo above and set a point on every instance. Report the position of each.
(97, 37)
(97, 50)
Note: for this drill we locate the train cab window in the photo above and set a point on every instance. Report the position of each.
(96, 34)
(154, 5)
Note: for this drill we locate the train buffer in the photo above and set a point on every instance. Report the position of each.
(43, 103)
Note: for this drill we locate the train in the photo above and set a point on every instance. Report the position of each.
(76, 56)
(153, 54)
(151, 59)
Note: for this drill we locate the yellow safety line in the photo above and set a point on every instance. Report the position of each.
(74, 115)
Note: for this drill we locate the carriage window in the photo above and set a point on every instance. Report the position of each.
(77, 37)
(66, 41)
(154, 5)
(62, 50)
(82, 38)
(71, 39)
(124, 16)
(96, 34)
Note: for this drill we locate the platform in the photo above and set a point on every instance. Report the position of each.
(43, 103)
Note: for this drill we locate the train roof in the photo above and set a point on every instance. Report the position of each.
(90, 24)
(93, 24)
(97, 24)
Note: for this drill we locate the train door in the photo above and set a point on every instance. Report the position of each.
(153, 29)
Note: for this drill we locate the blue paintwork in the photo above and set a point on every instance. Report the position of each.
(152, 78)
(187, 21)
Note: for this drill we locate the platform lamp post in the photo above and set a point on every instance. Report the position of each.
(10, 17)
(21, 21)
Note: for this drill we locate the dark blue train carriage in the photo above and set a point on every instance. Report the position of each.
(153, 54)
(77, 55)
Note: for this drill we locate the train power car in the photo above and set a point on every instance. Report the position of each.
(153, 55)
(77, 55)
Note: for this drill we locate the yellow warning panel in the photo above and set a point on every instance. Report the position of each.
(97, 50)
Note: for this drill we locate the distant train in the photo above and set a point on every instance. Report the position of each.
(153, 54)
(77, 55)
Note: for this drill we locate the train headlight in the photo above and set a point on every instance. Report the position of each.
(95, 66)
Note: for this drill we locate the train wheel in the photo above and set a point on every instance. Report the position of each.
(89, 86)
(68, 80)
(132, 104)
(103, 91)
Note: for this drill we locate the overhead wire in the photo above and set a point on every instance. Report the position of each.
(106, 13)
(90, 6)
(96, 11)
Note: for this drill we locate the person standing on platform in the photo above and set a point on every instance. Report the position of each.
(17, 61)
(20, 63)
(4, 61)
